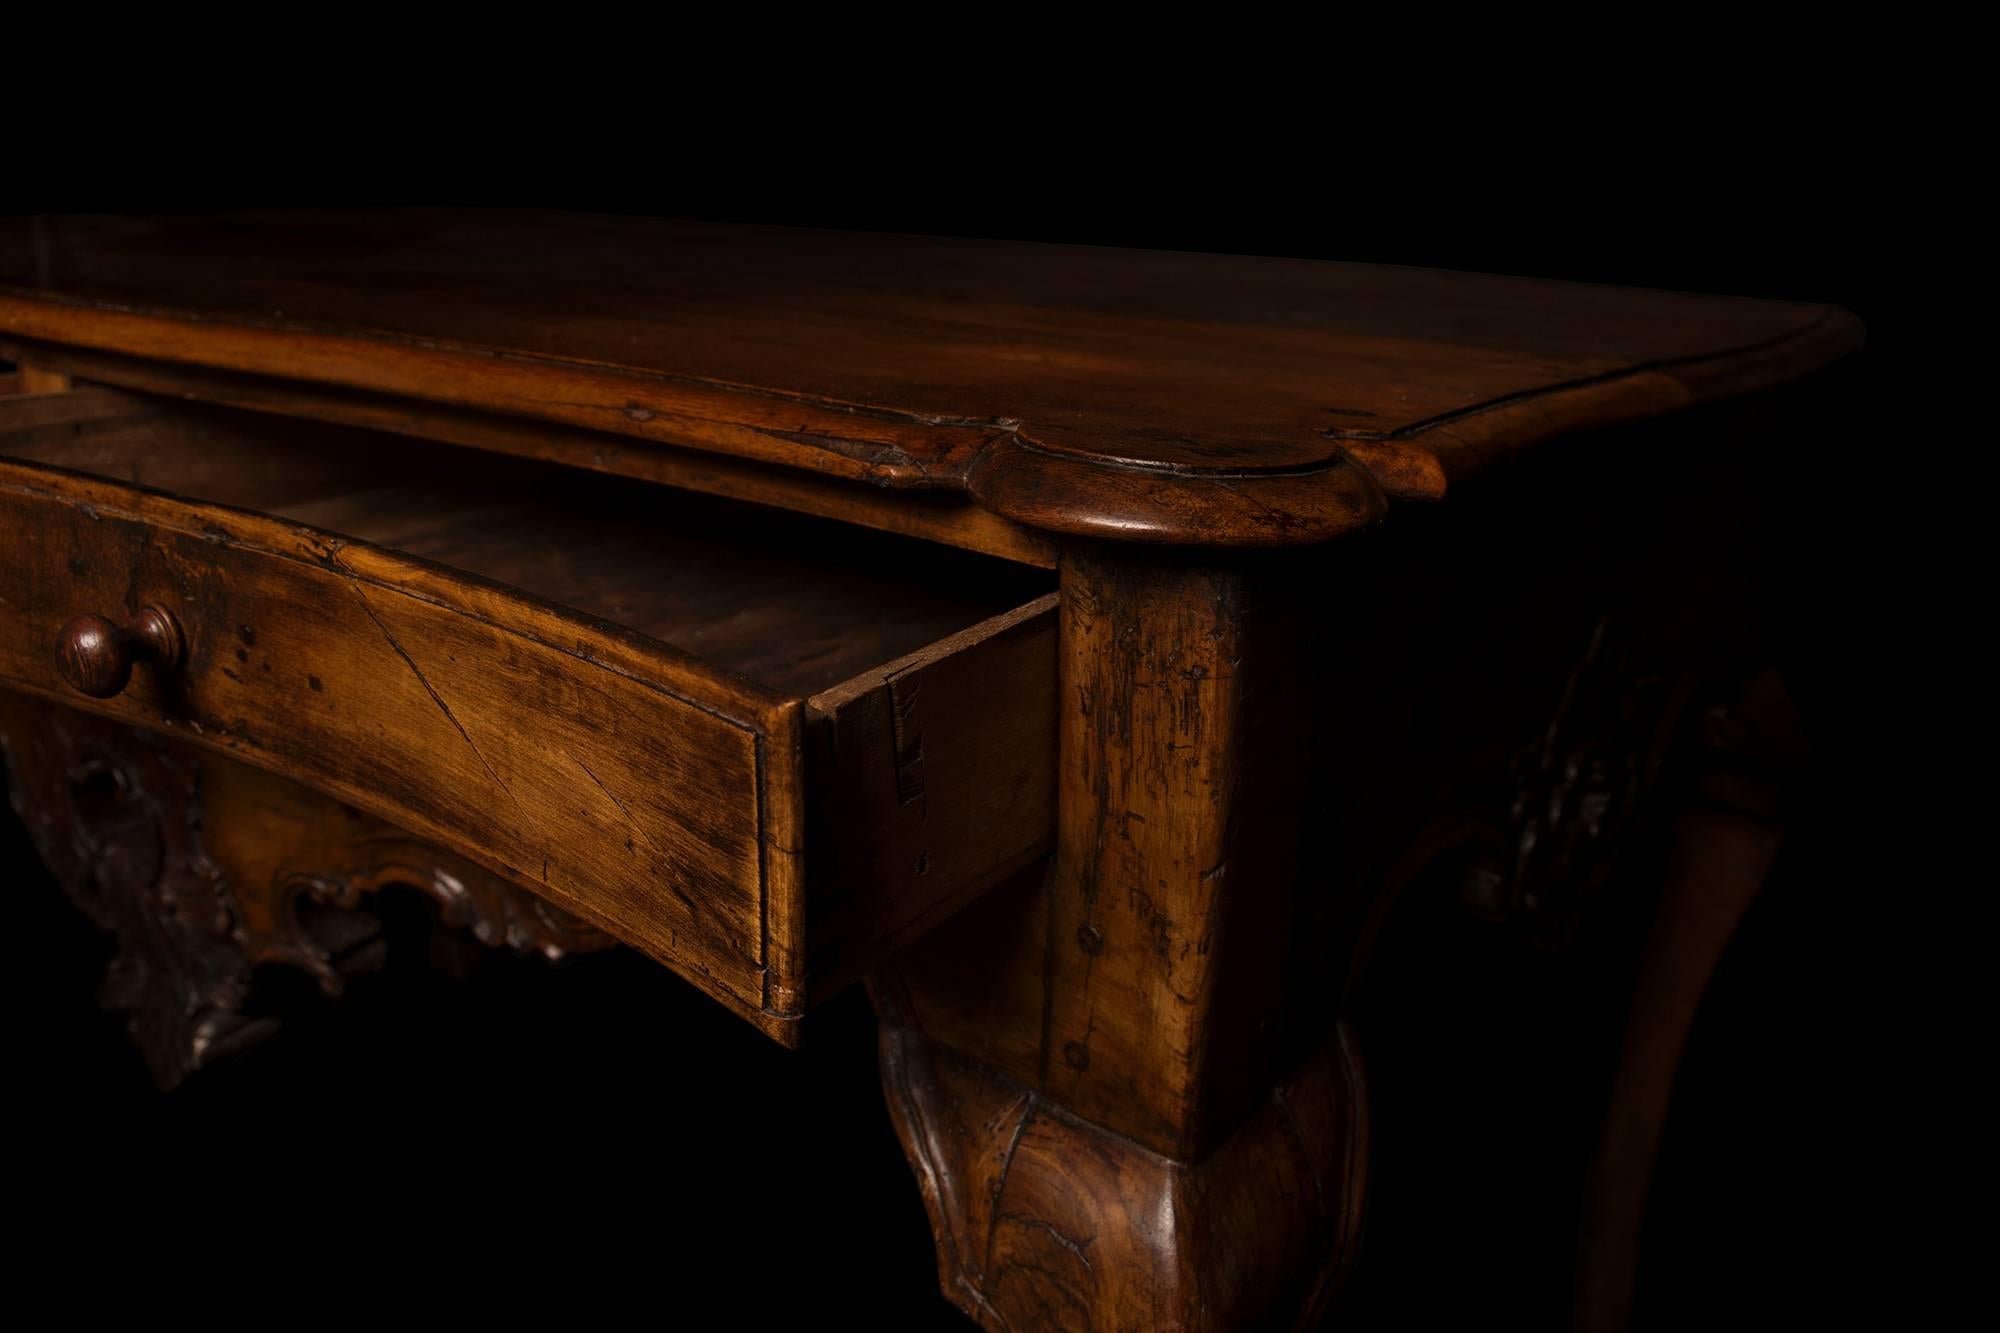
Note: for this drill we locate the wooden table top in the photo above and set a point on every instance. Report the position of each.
(1140, 395)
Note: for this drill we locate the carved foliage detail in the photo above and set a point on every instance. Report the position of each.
(205, 869)
(1618, 733)
(121, 831)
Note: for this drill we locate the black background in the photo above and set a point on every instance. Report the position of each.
(595, 1141)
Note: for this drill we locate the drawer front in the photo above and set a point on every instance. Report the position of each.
(657, 797)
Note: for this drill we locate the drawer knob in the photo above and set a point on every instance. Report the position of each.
(95, 656)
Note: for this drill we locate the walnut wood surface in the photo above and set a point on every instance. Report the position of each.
(1179, 827)
(961, 804)
(1132, 395)
(663, 796)
(1046, 1221)
(940, 516)
(1112, 1073)
(1259, 761)
(1082, 1065)
(797, 606)
(1146, 986)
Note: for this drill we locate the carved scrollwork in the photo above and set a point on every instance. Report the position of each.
(1573, 791)
(1536, 858)
(120, 827)
(204, 869)
(497, 913)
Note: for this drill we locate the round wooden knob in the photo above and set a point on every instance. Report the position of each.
(95, 656)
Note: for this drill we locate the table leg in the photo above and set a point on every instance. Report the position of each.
(1113, 1122)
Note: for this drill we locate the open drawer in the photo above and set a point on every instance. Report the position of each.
(765, 750)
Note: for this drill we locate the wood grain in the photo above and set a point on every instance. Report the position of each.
(494, 727)
(901, 361)
(1178, 834)
(1473, 703)
(775, 755)
(952, 803)
(1082, 1065)
(797, 605)
(938, 516)
(1046, 1221)
(662, 796)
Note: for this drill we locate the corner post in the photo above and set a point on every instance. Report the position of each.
(1093, 1074)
